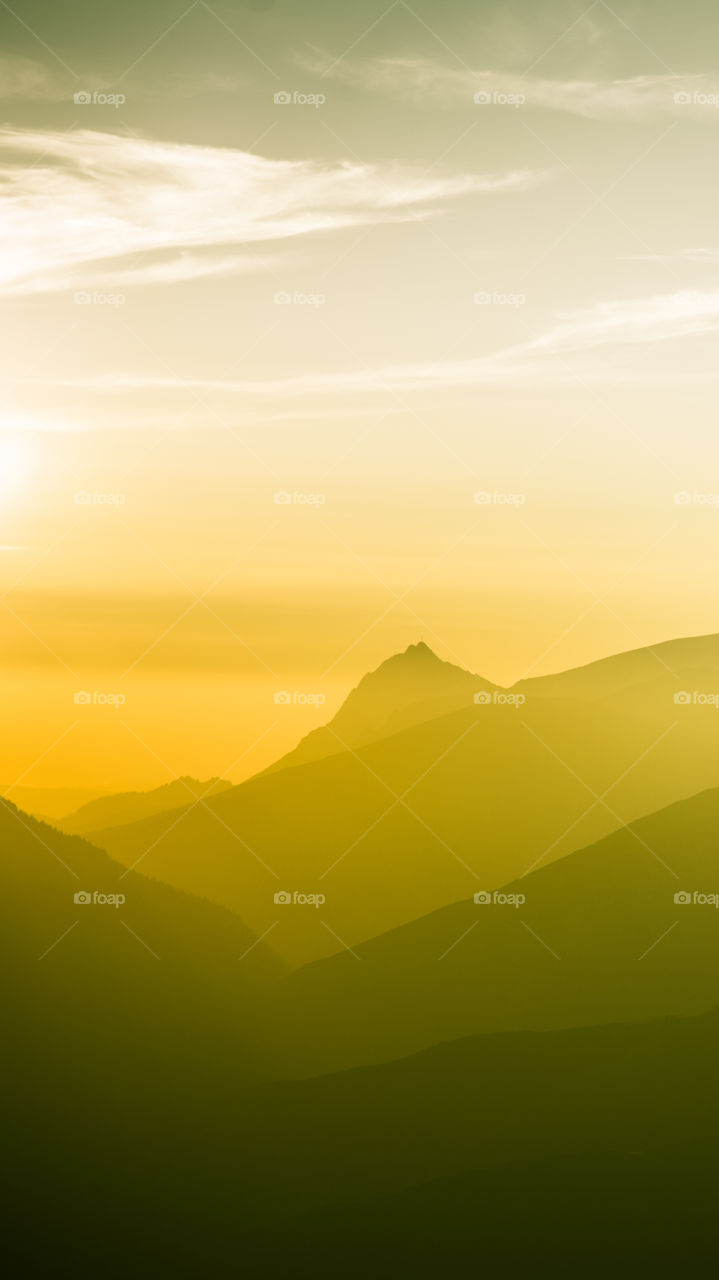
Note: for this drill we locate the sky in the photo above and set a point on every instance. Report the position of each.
(331, 328)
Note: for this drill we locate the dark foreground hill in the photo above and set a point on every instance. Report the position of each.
(109, 975)
(562, 1153)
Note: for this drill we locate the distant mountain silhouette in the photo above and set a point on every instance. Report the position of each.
(648, 676)
(132, 806)
(416, 685)
(405, 690)
(408, 823)
(492, 1084)
(49, 804)
(599, 938)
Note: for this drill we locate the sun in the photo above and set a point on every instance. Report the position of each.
(14, 468)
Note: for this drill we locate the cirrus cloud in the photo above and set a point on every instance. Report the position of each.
(106, 203)
(425, 81)
(567, 349)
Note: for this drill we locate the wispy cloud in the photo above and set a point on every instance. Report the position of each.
(104, 201)
(25, 78)
(566, 349)
(705, 257)
(436, 84)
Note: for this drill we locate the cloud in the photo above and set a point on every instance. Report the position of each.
(24, 78)
(434, 84)
(96, 201)
(703, 256)
(562, 353)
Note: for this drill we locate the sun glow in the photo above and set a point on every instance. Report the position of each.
(14, 468)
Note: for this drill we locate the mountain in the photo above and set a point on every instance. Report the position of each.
(50, 803)
(618, 1212)
(559, 1153)
(648, 676)
(405, 690)
(113, 974)
(390, 831)
(132, 806)
(416, 685)
(599, 937)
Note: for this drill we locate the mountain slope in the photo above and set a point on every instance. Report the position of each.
(416, 685)
(647, 676)
(395, 829)
(599, 937)
(405, 690)
(133, 806)
(106, 987)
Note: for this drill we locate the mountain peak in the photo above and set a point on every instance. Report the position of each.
(407, 688)
(420, 650)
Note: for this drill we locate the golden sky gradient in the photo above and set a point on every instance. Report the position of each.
(261, 357)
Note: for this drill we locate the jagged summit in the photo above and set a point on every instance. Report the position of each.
(407, 688)
(420, 648)
(420, 651)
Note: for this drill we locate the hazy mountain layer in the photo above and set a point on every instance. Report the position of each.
(133, 806)
(417, 820)
(598, 937)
